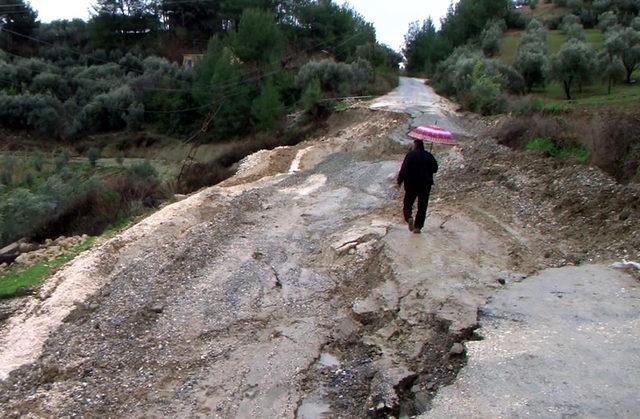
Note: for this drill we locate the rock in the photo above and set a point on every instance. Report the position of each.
(157, 308)
(26, 247)
(457, 349)
(13, 248)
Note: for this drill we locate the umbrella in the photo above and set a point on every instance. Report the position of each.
(433, 134)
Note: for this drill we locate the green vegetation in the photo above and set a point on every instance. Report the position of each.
(73, 198)
(555, 40)
(564, 151)
(16, 283)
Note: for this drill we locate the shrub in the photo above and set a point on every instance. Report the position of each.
(93, 155)
(485, 95)
(526, 106)
(144, 170)
(42, 112)
(51, 83)
(38, 161)
(333, 76)
(8, 169)
(615, 143)
(61, 160)
(20, 211)
(109, 110)
(134, 118)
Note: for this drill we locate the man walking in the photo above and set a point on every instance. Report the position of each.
(417, 175)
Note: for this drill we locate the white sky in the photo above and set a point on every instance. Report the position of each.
(390, 17)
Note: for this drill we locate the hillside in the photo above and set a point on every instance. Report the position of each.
(595, 94)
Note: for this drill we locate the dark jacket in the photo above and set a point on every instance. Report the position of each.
(417, 170)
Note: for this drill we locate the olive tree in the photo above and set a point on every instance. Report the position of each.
(607, 20)
(625, 43)
(573, 64)
(491, 37)
(531, 58)
(611, 68)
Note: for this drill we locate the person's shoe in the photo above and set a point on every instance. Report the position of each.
(410, 223)
(417, 231)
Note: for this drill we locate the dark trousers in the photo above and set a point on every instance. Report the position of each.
(410, 196)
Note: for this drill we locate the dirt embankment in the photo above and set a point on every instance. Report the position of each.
(580, 213)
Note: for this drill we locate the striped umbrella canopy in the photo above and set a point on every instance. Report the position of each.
(433, 134)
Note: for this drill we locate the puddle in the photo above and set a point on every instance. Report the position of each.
(328, 360)
(314, 408)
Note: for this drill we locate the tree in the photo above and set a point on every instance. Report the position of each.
(16, 17)
(424, 48)
(635, 23)
(231, 95)
(258, 38)
(120, 23)
(531, 58)
(607, 20)
(491, 37)
(267, 108)
(610, 68)
(573, 64)
(575, 31)
(532, 63)
(625, 43)
(568, 21)
(468, 18)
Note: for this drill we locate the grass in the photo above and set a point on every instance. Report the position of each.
(562, 152)
(17, 283)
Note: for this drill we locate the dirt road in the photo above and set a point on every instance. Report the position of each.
(291, 290)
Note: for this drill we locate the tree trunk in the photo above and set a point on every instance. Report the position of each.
(609, 86)
(567, 88)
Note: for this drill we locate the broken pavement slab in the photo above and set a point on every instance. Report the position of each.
(561, 343)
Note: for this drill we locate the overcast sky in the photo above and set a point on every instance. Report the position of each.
(391, 17)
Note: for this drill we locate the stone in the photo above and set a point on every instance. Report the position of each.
(157, 308)
(457, 349)
(10, 249)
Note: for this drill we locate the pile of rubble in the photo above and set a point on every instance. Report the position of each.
(22, 253)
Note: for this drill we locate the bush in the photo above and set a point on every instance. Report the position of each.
(517, 132)
(526, 106)
(8, 169)
(61, 160)
(51, 83)
(144, 170)
(134, 118)
(109, 110)
(615, 144)
(485, 94)
(38, 161)
(93, 155)
(336, 79)
(42, 112)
